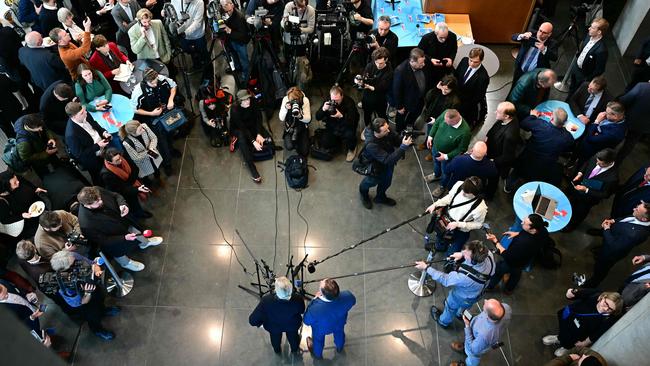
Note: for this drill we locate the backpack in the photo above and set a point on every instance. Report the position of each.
(11, 157)
(296, 171)
(364, 165)
(549, 256)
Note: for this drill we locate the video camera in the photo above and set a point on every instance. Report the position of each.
(77, 275)
(217, 21)
(76, 238)
(361, 81)
(409, 132)
(259, 18)
(172, 19)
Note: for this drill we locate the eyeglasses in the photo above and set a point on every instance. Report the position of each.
(542, 32)
(607, 307)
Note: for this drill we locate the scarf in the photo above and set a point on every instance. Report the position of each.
(123, 171)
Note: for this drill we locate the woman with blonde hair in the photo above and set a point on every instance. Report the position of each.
(141, 144)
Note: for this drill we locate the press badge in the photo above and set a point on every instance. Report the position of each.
(576, 322)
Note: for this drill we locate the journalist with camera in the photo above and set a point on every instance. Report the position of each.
(59, 230)
(473, 267)
(382, 151)
(77, 279)
(237, 35)
(375, 82)
(296, 114)
(382, 36)
(190, 28)
(341, 118)
(271, 21)
(361, 18)
(298, 21)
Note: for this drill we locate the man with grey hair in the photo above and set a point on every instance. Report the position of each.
(44, 65)
(384, 37)
(473, 163)
(280, 313)
(539, 159)
(440, 47)
(530, 90)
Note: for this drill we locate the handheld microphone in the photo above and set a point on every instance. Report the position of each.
(311, 267)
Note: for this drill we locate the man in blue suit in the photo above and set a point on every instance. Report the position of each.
(326, 314)
(619, 237)
(607, 131)
(637, 110)
(536, 51)
(632, 192)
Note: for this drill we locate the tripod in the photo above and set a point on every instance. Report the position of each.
(225, 53)
(266, 273)
(355, 48)
(297, 273)
(177, 54)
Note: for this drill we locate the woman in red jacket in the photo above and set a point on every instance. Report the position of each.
(107, 59)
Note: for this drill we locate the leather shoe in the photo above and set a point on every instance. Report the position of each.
(106, 335)
(112, 310)
(458, 346)
(435, 314)
(367, 203)
(428, 157)
(457, 363)
(385, 201)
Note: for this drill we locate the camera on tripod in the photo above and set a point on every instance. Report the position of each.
(331, 107)
(409, 132)
(172, 19)
(75, 238)
(218, 21)
(259, 19)
(76, 276)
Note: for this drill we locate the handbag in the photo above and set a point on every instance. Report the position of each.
(171, 119)
(365, 166)
(15, 228)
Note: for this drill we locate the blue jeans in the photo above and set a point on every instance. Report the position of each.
(382, 181)
(472, 360)
(241, 50)
(439, 167)
(319, 341)
(454, 306)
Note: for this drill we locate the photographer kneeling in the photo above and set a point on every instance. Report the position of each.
(296, 116)
(341, 119)
(376, 80)
(380, 151)
(459, 212)
(83, 298)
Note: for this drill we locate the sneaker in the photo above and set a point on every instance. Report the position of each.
(257, 179)
(439, 192)
(350, 156)
(151, 242)
(112, 311)
(367, 203)
(233, 141)
(363, 136)
(550, 340)
(385, 201)
(431, 178)
(134, 266)
(106, 335)
(560, 352)
(359, 105)
(435, 315)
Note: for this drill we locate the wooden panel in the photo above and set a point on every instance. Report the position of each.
(493, 21)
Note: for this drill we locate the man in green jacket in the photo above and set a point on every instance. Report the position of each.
(579, 356)
(36, 145)
(449, 137)
(149, 39)
(530, 90)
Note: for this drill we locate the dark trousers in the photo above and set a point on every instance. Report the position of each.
(609, 255)
(501, 269)
(568, 334)
(577, 78)
(246, 150)
(297, 138)
(377, 107)
(406, 119)
(292, 337)
(332, 138)
(581, 205)
(92, 312)
(197, 48)
(382, 181)
(164, 143)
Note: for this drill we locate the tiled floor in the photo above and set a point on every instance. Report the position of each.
(186, 307)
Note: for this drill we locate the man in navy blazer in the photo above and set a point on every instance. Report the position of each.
(637, 110)
(620, 236)
(44, 65)
(607, 131)
(279, 313)
(535, 52)
(327, 313)
(641, 71)
(85, 140)
(633, 191)
(473, 81)
(592, 56)
(411, 81)
(596, 181)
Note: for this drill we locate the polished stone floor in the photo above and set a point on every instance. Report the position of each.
(186, 307)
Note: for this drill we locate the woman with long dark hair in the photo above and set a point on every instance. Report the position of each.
(16, 196)
(91, 84)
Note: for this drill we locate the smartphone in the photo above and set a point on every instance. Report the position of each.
(467, 315)
(38, 337)
(42, 308)
(573, 183)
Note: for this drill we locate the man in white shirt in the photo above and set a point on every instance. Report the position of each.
(592, 57)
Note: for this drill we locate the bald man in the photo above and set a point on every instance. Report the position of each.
(483, 332)
(440, 46)
(44, 64)
(473, 163)
(536, 51)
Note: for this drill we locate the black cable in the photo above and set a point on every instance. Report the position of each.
(275, 239)
(214, 214)
(304, 241)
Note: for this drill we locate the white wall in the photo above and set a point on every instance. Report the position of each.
(626, 27)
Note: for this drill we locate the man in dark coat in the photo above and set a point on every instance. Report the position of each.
(531, 89)
(52, 106)
(620, 236)
(102, 220)
(44, 64)
(607, 131)
(632, 192)
(341, 120)
(596, 181)
(590, 99)
(121, 176)
(279, 313)
(411, 81)
(535, 52)
(637, 110)
(592, 55)
(441, 47)
(473, 81)
(246, 125)
(503, 138)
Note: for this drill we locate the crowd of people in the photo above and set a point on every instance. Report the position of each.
(94, 185)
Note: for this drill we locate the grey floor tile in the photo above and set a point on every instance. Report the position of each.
(193, 221)
(213, 168)
(146, 282)
(394, 339)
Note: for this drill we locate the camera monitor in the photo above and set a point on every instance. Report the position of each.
(542, 205)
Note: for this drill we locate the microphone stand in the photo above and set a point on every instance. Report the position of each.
(297, 273)
(267, 273)
(374, 271)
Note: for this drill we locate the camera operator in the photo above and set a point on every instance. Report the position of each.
(298, 23)
(272, 20)
(440, 46)
(102, 221)
(84, 298)
(381, 152)
(191, 32)
(375, 82)
(246, 125)
(467, 281)
(363, 19)
(58, 230)
(341, 119)
(382, 36)
(237, 35)
(296, 116)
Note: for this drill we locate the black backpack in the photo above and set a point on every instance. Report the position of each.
(296, 171)
(549, 256)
